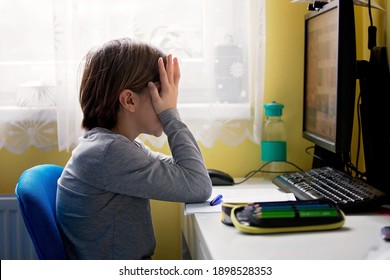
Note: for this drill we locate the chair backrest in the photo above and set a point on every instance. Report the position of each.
(36, 192)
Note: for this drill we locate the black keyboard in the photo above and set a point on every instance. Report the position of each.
(349, 193)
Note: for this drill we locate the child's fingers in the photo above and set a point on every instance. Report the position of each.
(176, 73)
(169, 68)
(162, 71)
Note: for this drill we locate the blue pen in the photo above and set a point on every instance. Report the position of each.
(217, 200)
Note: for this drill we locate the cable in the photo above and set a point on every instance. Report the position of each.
(314, 155)
(371, 30)
(369, 12)
(347, 163)
(253, 172)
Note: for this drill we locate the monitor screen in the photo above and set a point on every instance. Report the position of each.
(330, 76)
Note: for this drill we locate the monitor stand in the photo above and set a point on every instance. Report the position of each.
(323, 157)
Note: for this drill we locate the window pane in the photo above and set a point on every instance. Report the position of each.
(26, 51)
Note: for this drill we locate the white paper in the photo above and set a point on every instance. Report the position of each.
(247, 194)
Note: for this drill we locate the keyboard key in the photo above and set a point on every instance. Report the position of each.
(347, 192)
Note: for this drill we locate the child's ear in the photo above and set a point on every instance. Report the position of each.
(127, 100)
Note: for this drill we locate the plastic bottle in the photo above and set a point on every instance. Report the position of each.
(274, 140)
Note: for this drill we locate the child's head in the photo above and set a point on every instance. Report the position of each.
(118, 65)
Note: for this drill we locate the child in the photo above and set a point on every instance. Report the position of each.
(103, 195)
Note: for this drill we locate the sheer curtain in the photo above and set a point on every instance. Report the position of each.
(220, 44)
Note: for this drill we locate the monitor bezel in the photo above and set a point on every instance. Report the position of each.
(346, 77)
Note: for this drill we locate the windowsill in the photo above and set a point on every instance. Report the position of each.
(188, 111)
(19, 113)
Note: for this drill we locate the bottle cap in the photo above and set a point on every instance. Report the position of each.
(273, 109)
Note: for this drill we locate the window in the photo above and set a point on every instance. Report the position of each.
(219, 44)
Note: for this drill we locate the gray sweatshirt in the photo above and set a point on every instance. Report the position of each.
(103, 208)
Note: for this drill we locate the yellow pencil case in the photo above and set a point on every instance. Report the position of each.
(282, 216)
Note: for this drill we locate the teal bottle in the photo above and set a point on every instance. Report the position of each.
(273, 141)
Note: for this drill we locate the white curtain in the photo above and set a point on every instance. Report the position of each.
(220, 44)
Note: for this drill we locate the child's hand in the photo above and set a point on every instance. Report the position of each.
(169, 78)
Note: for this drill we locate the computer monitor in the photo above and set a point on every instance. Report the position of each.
(330, 82)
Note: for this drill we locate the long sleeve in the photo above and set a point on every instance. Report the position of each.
(139, 174)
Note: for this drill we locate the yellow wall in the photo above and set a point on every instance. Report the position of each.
(283, 83)
(387, 29)
(284, 71)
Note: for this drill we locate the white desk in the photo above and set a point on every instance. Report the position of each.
(208, 238)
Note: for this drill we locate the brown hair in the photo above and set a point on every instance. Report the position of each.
(119, 64)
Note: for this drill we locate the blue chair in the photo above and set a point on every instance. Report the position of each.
(36, 192)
